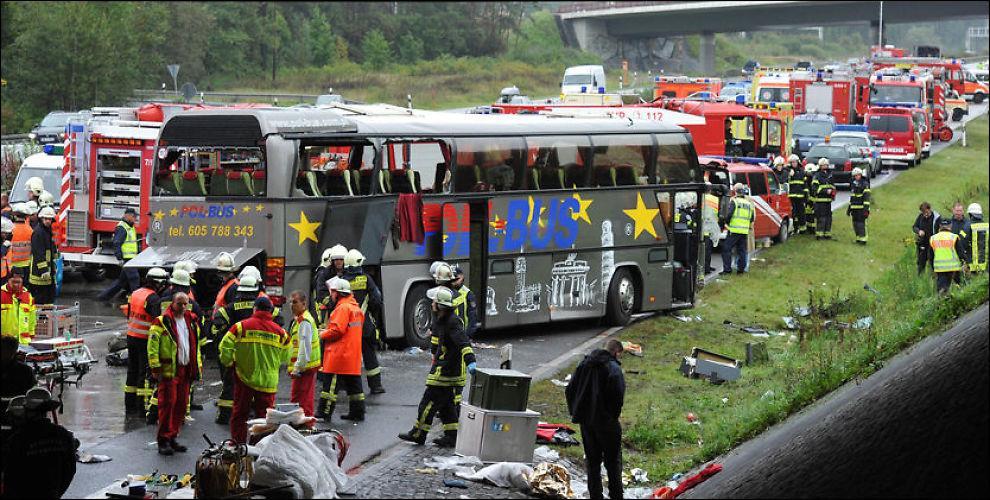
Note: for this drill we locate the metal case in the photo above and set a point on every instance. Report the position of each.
(495, 389)
(497, 436)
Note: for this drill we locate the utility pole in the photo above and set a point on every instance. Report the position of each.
(880, 30)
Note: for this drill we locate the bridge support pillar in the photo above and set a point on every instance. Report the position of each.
(706, 53)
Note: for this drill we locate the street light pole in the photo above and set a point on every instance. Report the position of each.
(880, 30)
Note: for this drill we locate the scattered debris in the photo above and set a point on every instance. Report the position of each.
(790, 323)
(868, 288)
(688, 483)
(706, 364)
(88, 458)
(698, 318)
(426, 470)
(483, 346)
(547, 433)
(551, 480)
(639, 475)
(686, 319)
(455, 483)
(214, 384)
(561, 383)
(442, 491)
(725, 400)
(803, 312)
(767, 395)
(501, 474)
(638, 492)
(761, 335)
(634, 349)
(863, 323)
(545, 454)
(412, 351)
(454, 463)
(98, 323)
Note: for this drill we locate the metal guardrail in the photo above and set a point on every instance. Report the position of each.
(171, 96)
(595, 6)
(14, 138)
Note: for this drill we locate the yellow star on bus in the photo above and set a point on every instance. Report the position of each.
(159, 215)
(259, 207)
(174, 212)
(643, 217)
(306, 229)
(246, 208)
(582, 212)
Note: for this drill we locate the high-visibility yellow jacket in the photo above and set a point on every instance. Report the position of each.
(946, 256)
(129, 248)
(17, 314)
(163, 347)
(980, 238)
(742, 216)
(256, 348)
(314, 343)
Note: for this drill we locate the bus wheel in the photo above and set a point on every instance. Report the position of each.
(417, 317)
(93, 274)
(621, 298)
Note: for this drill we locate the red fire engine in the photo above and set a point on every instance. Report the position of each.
(896, 127)
(734, 130)
(681, 86)
(835, 95)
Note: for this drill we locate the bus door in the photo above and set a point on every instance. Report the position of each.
(660, 258)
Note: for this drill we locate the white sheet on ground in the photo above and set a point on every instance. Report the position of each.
(502, 474)
(289, 458)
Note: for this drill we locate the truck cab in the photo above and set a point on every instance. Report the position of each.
(975, 85)
(810, 129)
(583, 79)
(679, 87)
(735, 130)
(900, 133)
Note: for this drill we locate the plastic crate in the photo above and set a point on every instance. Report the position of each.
(56, 320)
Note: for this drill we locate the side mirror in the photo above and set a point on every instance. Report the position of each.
(878, 143)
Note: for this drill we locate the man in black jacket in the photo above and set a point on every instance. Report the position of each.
(44, 253)
(126, 246)
(39, 457)
(594, 399)
(925, 225)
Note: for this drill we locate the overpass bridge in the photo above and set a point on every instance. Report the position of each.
(646, 33)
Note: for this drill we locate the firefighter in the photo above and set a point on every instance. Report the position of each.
(859, 204)
(780, 170)
(44, 253)
(306, 353)
(20, 241)
(948, 249)
(342, 354)
(6, 257)
(31, 210)
(797, 192)
(125, 248)
(822, 194)
(447, 373)
(241, 307)
(711, 231)
(367, 294)
(34, 187)
(17, 311)
(443, 275)
(465, 303)
(144, 305)
(225, 264)
(255, 349)
(979, 237)
(811, 223)
(228, 296)
(331, 265)
(180, 281)
(739, 215)
(46, 199)
(174, 359)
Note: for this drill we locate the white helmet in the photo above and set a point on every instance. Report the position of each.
(6, 225)
(225, 262)
(823, 162)
(974, 209)
(249, 271)
(434, 266)
(186, 265)
(247, 284)
(46, 199)
(46, 213)
(35, 185)
(793, 157)
(338, 251)
(29, 207)
(778, 160)
(354, 258)
(339, 284)
(811, 168)
(441, 295)
(444, 273)
(857, 171)
(325, 258)
(157, 274)
(180, 277)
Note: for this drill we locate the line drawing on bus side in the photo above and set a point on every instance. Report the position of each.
(492, 307)
(608, 258)
(569, 285)
(526, 297)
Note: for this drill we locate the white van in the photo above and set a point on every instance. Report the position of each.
(589, 78)
(46, 166)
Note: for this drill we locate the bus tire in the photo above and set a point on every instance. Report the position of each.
(621, 298)
(415, 324)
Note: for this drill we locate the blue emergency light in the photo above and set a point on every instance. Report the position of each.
(601, 90)
(912, 78)
(584, 89)
(656, 78)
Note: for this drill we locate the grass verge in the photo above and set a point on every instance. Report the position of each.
(816, 361)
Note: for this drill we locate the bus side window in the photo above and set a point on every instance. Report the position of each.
(666, 204)
(558, 162)
(674, 165)
(622, 160)
(489, 164)
(415, 166)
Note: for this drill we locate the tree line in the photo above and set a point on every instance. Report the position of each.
(75, 55)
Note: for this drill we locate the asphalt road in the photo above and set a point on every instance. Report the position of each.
(916, 428)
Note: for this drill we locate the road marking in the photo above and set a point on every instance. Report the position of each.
(547, 369)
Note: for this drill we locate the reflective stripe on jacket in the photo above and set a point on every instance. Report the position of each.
(20, 244)
(980, 238)
(139, 320)
(314, 351)
(946, 257)
(129, 249)
(342, 354)
(859, 198)
(257, 348)
(17, 314)
(163, 347)
(742, 216)
(452, 356)
(43, 256)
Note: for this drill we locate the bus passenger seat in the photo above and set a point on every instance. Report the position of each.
(384, 181)
(534, 178)
(604, 176)
(218, 183)
(400, 181)
(192, 184)
(166, 182)
(439, 175)
(574, 175)
(465, 178)
(338, 183)
(551, 178)
(625, 175)
(364, 180)
(239, 183)
(259, 183)
(414, 180)
(311, 184)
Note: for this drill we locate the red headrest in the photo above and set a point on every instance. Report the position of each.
(234, 175)
(258, 174)
(189, 176)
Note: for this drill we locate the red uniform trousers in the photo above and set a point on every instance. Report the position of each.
(246, 399)
(304, 390)
(173, 394)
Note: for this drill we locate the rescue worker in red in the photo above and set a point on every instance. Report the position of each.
(306, 355)
(342, 354)
(174, 359)
(143, 307)
(17, 311)
(452, 361)
(255, 349)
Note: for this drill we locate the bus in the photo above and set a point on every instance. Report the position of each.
(550, 218)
